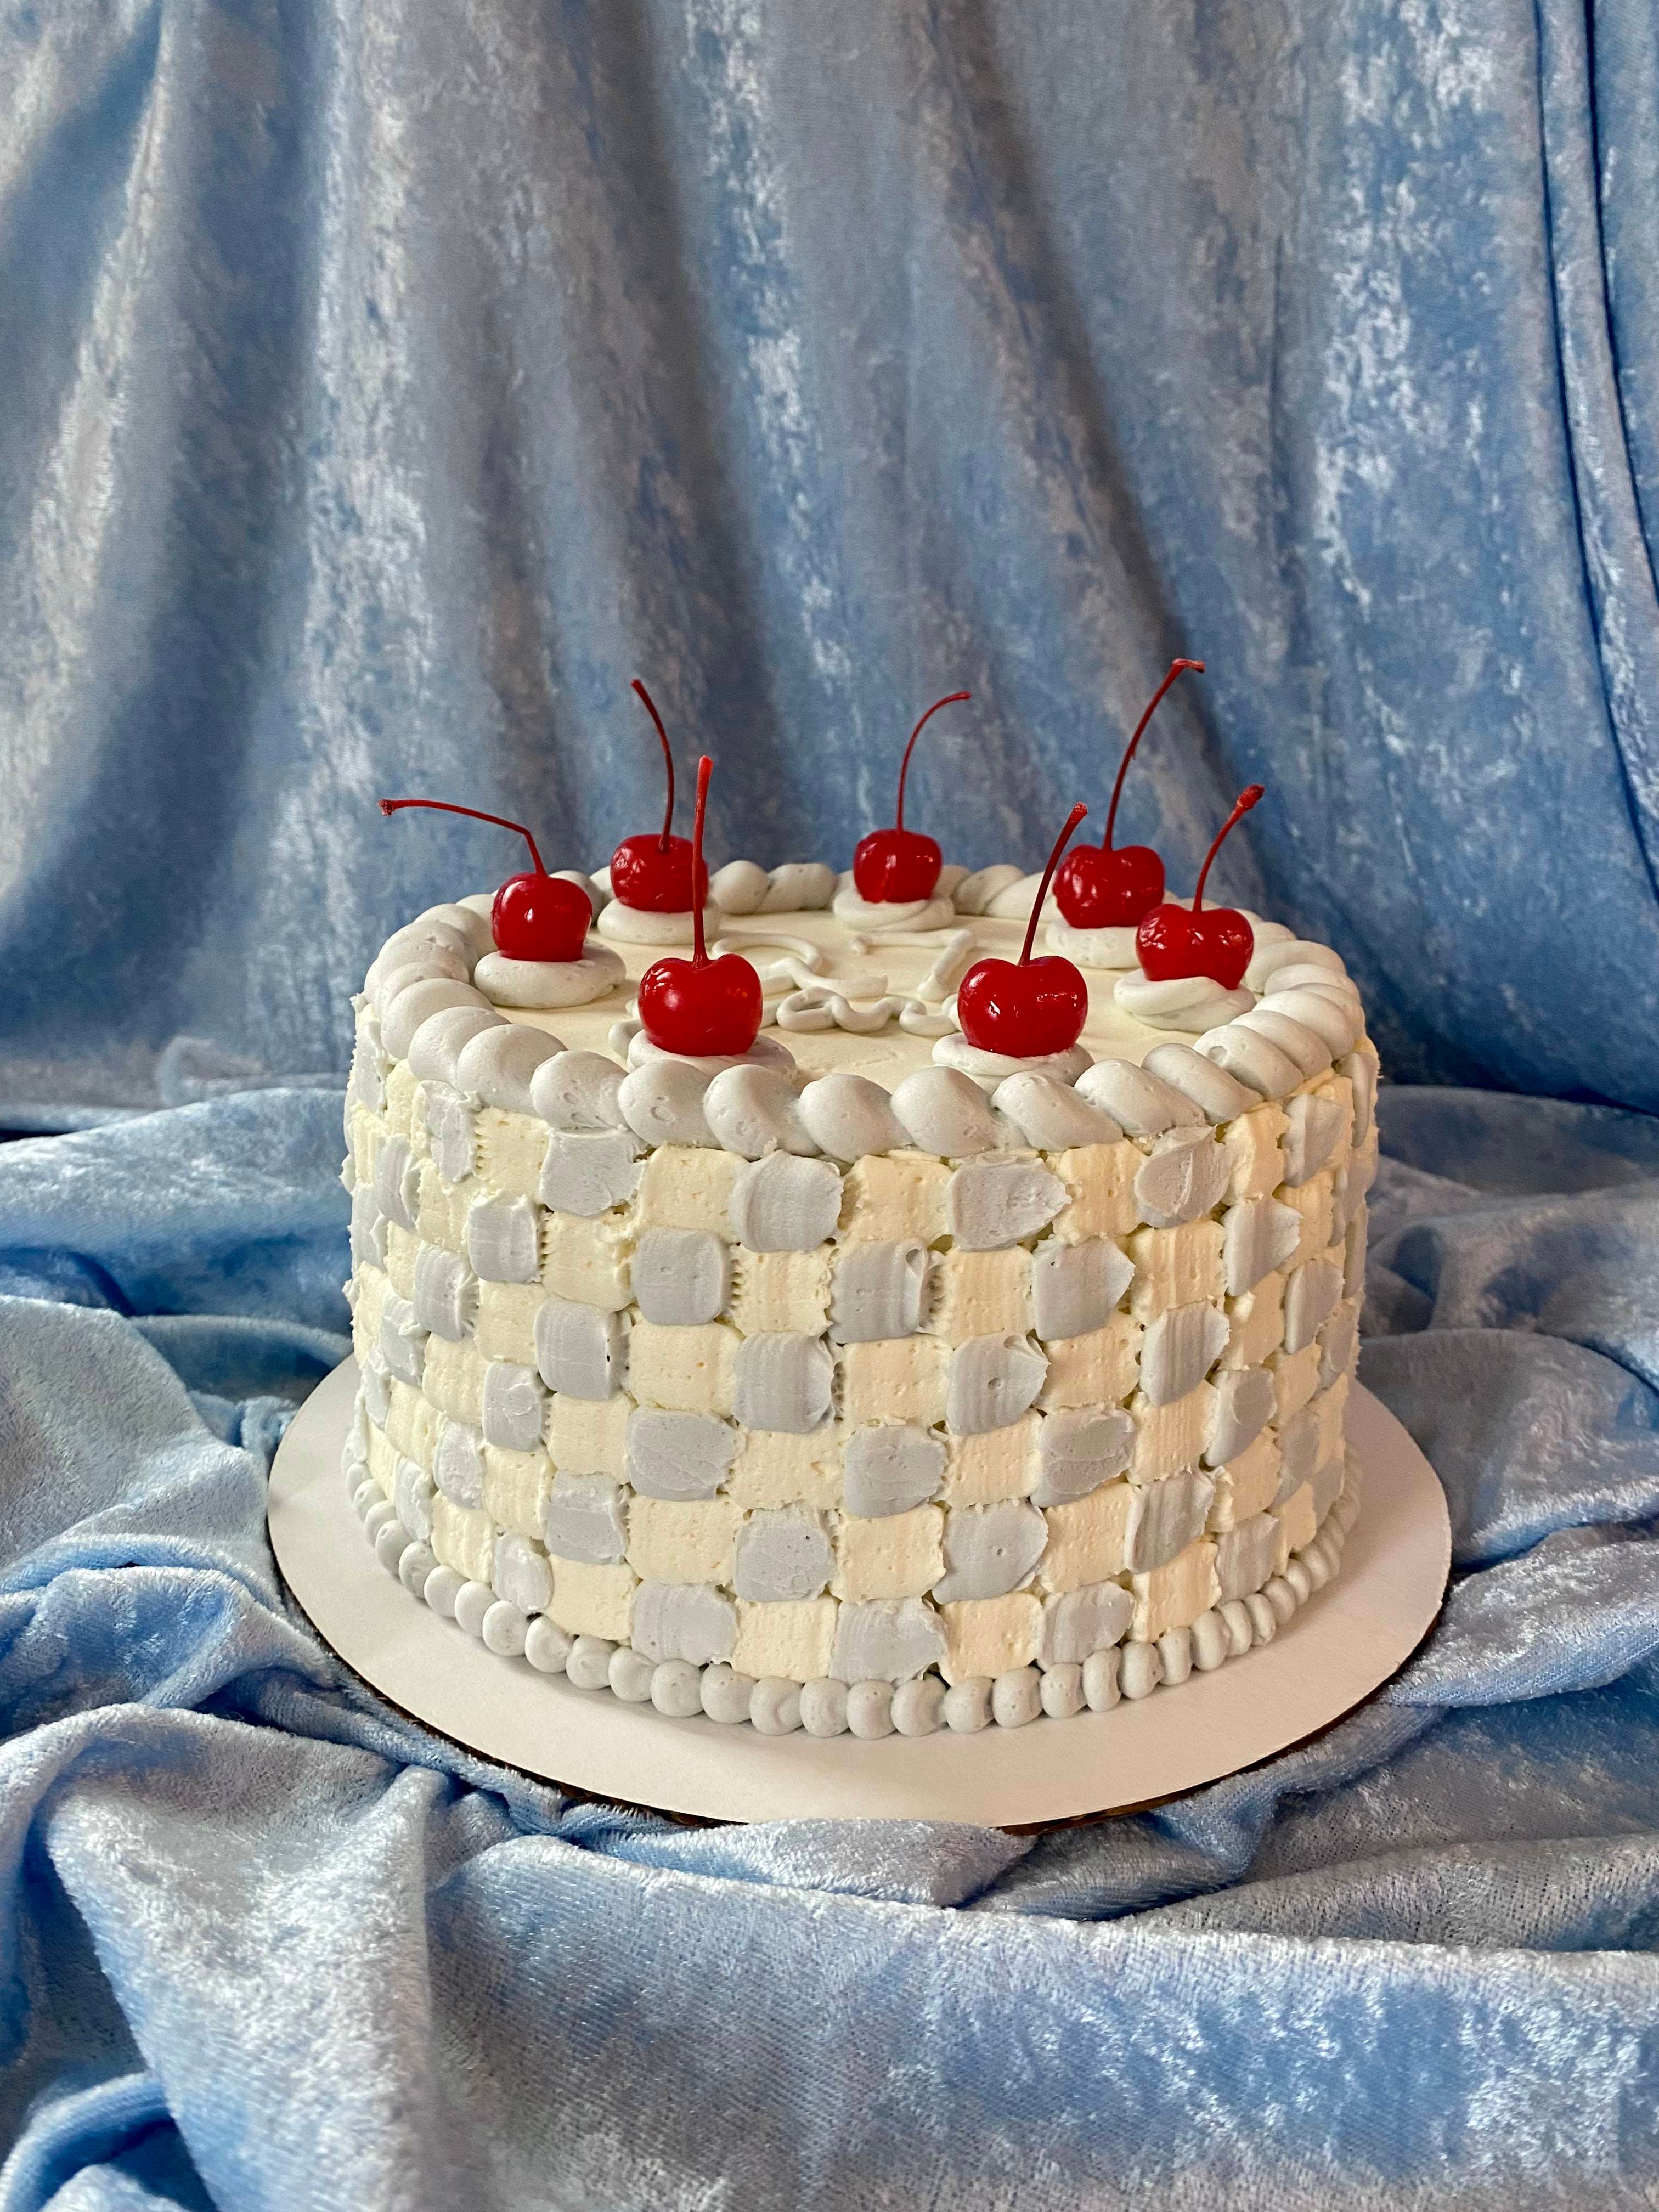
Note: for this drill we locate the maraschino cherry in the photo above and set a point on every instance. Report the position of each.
(895, 865)
(700, 1004)
(1173, 943)
(535, 916)
(1026, 1008)
(653, 873)
(1104, 887)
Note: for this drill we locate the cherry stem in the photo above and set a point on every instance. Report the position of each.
(699, 949)
(1071, 821)
(949, 700)
(662, 734)
(1176, 668)
(389, 806)
(1241, 805)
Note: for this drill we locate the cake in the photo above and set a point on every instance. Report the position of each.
(865, 1379)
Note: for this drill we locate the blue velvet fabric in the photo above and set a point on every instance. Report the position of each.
(265, 1943)
(384, 385)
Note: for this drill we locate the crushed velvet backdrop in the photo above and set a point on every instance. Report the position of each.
(380, 387)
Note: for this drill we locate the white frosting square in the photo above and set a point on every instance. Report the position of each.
(676, 1541)
(686, 1186)
(990, 1635)
(996, 1463)
(1173, 1596)
(1088, 1539)
(982, 1294)
(685, 1371)
(1100, 1182)
(896, 1379)
(891, 1195)
(594, 1601)
(900, 1555)
(794, 1637)
(511, 1150)
(780, 1291)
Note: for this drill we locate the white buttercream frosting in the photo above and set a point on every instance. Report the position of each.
(1194, 1003)
(1092, 948)
(639, 925)
(544, 983)
(988, 1069)
(874, 917)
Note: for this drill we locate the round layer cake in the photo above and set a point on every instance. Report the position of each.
(866, 1383)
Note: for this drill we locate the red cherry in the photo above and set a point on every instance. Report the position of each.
(1027, 1007)
(535, 916)
(700, 1004)
(899, 864)
(1173, 943)
(653, 873)
(1104, 887)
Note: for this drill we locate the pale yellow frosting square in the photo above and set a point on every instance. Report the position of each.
(1256, 1323)
(514, 1485)
(1312, 1200)
(794, 1637)
(1100, 1180)
(440, 1214)
(368, 1133)
(594, 1601)
(982, 1294)
(370, 1289)
(1253, 1148)
(900, 1555)
(588, 1436)
(1176, 1268)
(383, 1457)
(899, 1378)
(463, 1538)
(1170, 1439)
(587, 1261)
(1246, 1484)
(510, 1151)
(401, 1087)
(891, 1195)
(403, 1250)
(505, 1326)
(996, 1463)
(1296, 1378)
(682, 1541)
(411, 1423)
(780, 1291)
(1174, 1596)
(1100, 1369)
(686, 1186)
(1086, 1539)
(1296, 1525)
(990, 1635)
(686, 1370)
(772, 1468)
(453, 1379)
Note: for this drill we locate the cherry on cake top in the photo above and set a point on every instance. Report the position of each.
(899, 866)
(1026, 1008)
(1106, 887)
(700, 1005)
(654, 872)
(534, 916)
(1174, 944)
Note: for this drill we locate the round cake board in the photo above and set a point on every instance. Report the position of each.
(1349, 1638)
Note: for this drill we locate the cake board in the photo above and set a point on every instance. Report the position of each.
(1346, 1641)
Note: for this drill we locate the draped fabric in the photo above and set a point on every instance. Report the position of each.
(385, 386)
(265, 1943)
